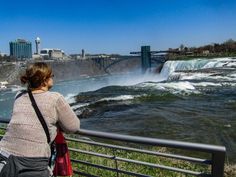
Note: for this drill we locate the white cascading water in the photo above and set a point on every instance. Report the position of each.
(196, 64)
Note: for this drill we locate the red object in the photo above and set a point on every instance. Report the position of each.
(62, 163)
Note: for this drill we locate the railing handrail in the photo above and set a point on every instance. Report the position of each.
(154, 141)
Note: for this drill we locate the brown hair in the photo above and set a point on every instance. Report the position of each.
(36, 74)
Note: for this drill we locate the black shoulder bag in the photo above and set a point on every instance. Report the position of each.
(45, 127)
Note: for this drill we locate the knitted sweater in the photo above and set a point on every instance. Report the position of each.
(25, 135)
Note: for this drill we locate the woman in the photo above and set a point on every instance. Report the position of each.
(24, 145)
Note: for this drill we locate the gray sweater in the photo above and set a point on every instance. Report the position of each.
(25, 135)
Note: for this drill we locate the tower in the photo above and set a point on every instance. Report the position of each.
(145, 57)
(37, 44)
(83, 54)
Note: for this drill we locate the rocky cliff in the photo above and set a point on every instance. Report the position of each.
(76, 69)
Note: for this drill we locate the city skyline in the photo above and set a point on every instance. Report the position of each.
(117, 27)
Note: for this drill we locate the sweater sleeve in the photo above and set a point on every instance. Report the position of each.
(67, 119)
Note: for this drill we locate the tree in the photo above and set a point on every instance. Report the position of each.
(229, 42)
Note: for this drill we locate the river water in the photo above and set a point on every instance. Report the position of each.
(193, 101)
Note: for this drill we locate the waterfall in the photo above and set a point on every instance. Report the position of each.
(196, 64)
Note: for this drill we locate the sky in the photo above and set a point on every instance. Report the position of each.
(117, 26)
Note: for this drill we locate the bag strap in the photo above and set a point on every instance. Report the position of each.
(39, 115)
(20, 94)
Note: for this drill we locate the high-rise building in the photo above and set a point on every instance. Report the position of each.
(21, 49)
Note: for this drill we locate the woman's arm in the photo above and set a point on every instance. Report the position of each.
(67, 119)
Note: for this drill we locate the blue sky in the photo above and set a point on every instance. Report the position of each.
(117, 26)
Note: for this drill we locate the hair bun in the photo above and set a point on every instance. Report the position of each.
(36, 74)
(24, 79)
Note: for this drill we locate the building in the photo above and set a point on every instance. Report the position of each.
(3, 54)
(205, 52)
(52, 54)
(76, 56)
(21, 49)
(79, 56)
(56, 54)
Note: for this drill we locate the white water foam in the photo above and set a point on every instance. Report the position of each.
(231, 64)
(194, 76)
(119, 98)
(203, 76)
(172, 87)
(233, 75)
(179, 87)
(3, 99)
(217, 62)
(205, 84)
(80, 105)
(70, 98)
(17, 88)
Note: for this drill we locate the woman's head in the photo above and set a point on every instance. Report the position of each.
(37, 75)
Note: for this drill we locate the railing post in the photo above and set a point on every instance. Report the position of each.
(218, 160)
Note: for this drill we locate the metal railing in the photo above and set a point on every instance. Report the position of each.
(96, 153)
